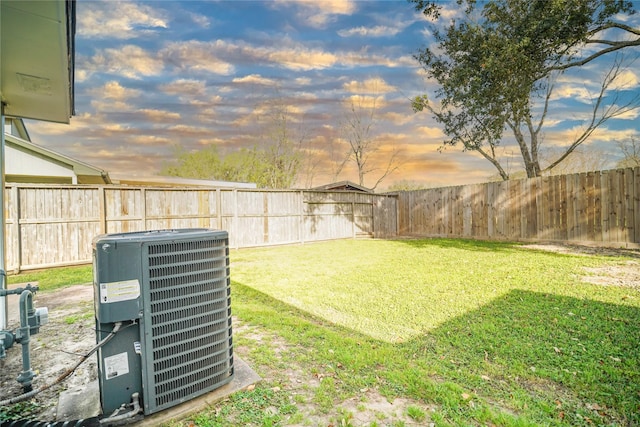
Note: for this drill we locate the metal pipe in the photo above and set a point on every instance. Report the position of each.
(24, 337)
(115, 420)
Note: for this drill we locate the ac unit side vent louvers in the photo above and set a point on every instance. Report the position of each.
(189, 300)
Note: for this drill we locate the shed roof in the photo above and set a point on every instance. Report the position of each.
(344, 186)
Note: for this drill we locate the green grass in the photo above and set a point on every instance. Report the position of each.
(489, 332)
(55, 278)
(398, 290)
(483, 333)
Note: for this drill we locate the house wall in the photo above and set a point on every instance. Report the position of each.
(26, 166)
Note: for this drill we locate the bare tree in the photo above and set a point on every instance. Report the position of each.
(284, 138)
(631, 152)
(583, 159)
(602, 110)
(358, 129)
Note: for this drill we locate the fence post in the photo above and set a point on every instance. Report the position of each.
(353, 217)
(218, 209)
(301, 217)
(102, 206)
(143, 198)
(14, 215)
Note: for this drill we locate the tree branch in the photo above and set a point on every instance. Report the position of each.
(611, 111)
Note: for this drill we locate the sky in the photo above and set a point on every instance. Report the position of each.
(150, 76)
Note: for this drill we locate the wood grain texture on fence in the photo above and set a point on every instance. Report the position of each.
(55, 225)
(601, 208)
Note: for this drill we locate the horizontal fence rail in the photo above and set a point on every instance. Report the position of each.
(55, 225)
(601, 208)
(50, 225)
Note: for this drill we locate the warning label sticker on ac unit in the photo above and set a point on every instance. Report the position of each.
(116, 365)
(124, 290)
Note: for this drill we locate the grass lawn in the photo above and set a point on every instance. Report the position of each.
(479, 333)
(488, 332)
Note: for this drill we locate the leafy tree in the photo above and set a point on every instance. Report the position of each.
(245, 165)
(631, 153)
(274, 163)
(203, 164)
(494, 63)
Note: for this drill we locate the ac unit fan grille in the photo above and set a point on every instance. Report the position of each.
(190, 319)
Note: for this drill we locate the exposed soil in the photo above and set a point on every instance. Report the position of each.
(625, 274)
(70, 333)
(58, 346)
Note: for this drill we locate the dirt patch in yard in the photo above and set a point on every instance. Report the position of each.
(58, 346)
(625, 274)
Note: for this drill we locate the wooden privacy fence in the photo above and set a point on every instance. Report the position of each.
(595, 208)
(55, 225)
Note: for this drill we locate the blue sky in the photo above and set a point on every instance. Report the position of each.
(150, 75)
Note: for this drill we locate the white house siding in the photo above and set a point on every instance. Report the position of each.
(23, 163)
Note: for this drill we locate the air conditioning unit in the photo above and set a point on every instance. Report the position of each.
(170, 289)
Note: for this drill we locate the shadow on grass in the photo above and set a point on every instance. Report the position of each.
(579, 355)
(548, 357)
(462, 244)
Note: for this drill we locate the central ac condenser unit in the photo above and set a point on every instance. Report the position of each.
(170, 290)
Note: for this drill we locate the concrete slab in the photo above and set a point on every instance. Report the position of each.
(81, 402)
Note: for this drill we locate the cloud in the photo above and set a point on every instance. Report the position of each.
(299, 58)
(431, 133)
(359, 102)
(200, 20)
(110, 106)
(365, 58)
(118, 20)
(112, 96)
(254, 79)
(127, 61)
(222, 56)
(377, 31)
(573, 92)
(287, 54)
(375, 85)
(114, 90)
(184, 87)
(319, 14)
(191, 131)
(197, 55)
(629, 115)
(399, 119)
(628, 80)
(159, 116)
(150, 140)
